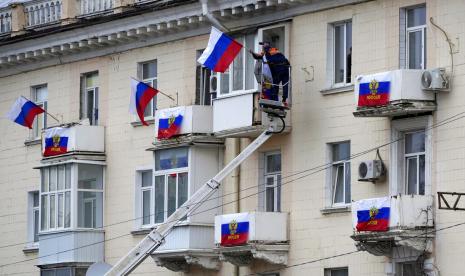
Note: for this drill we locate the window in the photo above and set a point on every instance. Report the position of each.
(341, 53)
(409, 269)
(340, 173)
(89, 98)
(145, 178)
(202, 84)
(240, 75)
(62, 184)
(337, 271)
(415, 36)
(170, 189)
(414, 162)
(55, 197)
(39, 97)
(272, 178)
(33, 218)
(148, 74)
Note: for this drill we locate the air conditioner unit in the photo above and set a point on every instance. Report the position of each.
(435, 80)
(370, 170)
(213, 83)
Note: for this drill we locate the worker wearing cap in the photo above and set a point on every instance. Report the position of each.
(279, 67)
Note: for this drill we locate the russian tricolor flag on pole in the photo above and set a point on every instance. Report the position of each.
(141, 94)
(220, 52)
(234, 229)
(373, 214)
(24, 111)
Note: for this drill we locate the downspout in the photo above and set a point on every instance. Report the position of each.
(237, 184)
(211, 17)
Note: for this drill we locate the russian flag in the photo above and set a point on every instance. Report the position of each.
(24, 111)
(374, 90)
(55, 141)
(373, 214)
(141, 94)
(169, 122)
(234, 229)
(220, 52)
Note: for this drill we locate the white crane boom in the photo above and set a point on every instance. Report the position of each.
(156, 237)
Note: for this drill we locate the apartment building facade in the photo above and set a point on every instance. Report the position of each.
(75, 58)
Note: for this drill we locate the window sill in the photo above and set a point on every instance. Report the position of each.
(32, 141)
(32, 248)
(149, 121)
(338, 89)
(147, 230)
(336, 209)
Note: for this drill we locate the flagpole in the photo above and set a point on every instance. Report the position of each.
(166, 95)
(45, 111)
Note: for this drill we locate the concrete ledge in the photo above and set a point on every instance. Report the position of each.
(333, 210)
(336, 90)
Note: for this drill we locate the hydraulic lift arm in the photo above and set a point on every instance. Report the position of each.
(156, 237)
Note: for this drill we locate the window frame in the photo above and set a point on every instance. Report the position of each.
(277, 182)
(35, 133)
(203, 76)
(31, 222)
(332, 63)
(258, 36)
(73, 197)
(408, 30)
(397, 179)
(417, 156)
(150, 81)
(84, 112)
(329, 271)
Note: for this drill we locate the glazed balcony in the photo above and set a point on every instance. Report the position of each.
(405, 97)
(267, 238)
(411, 216)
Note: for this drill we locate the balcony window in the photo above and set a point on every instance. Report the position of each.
(89, 98)
(203, 96)
(340, 173)
(148, 74)
(39, 97)
(240, 78)
(272, 181)
(64, 271)
(171, 181)
(416, 37)
(62, 184)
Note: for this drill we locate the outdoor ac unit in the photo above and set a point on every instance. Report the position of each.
(213, 83)
(435, 80)
(370, 170)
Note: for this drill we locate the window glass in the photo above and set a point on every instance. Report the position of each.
(35, 199)
(60, 209)
(159, 198)
(44, 212)
(415, 42)
(171, 159)
(149, 70)
(53, 178)
(52, 211)
(238, 69)
(415, 142)
(91, 80)
(273, 163)
(171, 194)
(90, 176)
(67, 209)
(341, 151)
(39, 96)
(90, 209)
(250, 63)
(36, 225)
(146, 178)
(45, 179)
(339, 184)
(340, 174)
(146, 206)
(339, 272)
(270, 194)
(61, 177)
(68, 176)
(182, 188)
(339, 53)
(272, 178)
(416, 16)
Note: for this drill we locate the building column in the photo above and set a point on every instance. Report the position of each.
(18, 19)
(69, 11)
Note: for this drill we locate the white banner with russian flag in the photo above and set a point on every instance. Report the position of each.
(235, 229)
(220, 52)
(372, 214)
(169, 121)
(55, 141)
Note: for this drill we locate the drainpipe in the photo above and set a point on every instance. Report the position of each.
(211, 17)
(237, 185)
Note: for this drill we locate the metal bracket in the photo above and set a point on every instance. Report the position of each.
(213, 184)
(443, 198)
(156, 237)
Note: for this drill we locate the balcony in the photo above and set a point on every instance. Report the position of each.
(393, 93)
(80, 246)
(73, 140)
(96, 7)
(5, 20)
(42, 12)
(186, 246)
(196, 126)
(244, 237)
(411, 217)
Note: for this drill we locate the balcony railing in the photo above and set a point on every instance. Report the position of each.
(42, 12)
(89, 7)
(5, 21)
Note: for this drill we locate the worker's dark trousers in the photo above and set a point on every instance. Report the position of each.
(281, 77)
